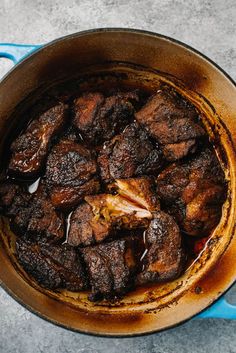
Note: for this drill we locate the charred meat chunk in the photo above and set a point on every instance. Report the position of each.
(104, 214)
(32, 215)
(129, 154)
(86, 229)
(44, 220)
(172, 121)
(111, 267)
(30, 149)
(193, 192)
(164, 257)
(101, 215)
(71, 173)
(52, 266)
(99, 118)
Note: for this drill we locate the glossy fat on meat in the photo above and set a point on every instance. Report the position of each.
(101, 216)
(30, 149)
(174, 151)
(119, 211)
(67, 197)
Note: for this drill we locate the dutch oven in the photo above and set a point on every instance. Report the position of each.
(137, 56)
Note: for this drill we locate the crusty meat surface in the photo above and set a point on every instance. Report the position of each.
(164, 258)
(32, 215)
(111, 267)
(52, 266)
(30, 149)
(193, 192)
(128, 155)
(71, 173)
(99, 118)
(171, 119)
(86, 229)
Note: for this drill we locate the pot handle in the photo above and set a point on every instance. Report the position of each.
(220, 309)
(16, 52)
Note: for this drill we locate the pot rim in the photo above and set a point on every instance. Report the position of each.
(125, 30)
(105, 335)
